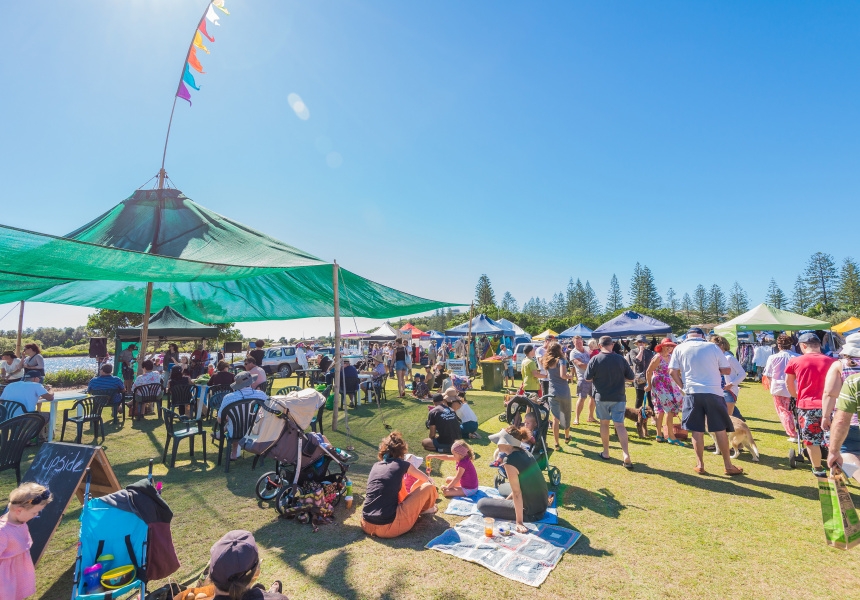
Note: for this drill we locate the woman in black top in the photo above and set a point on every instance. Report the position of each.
(524, 497)
(390, 509)
(171, 357)
(400, 367)
(223, 376)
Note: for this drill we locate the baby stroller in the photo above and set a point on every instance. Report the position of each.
(795, 456)
(303, 461)
(112, 558)
(515, 411)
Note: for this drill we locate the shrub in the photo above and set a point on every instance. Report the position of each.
(69, 377)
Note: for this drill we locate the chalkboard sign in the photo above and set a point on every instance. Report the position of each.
(62, 467)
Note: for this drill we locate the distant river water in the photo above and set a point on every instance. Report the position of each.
(54, 364)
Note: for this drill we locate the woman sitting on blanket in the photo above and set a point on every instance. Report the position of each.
(389, 508)
(524, 497)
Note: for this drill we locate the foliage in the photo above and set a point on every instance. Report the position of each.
(69, 377)
(614, 299)
(820, 277)
(643, 290)
(671, 301)
(801, 301)
(775, 296)
(700, 303)
(738, 301)
(484, 295)
(848, 292)
(687, 305)
(104, 322)
(509, 303)
(716, 303)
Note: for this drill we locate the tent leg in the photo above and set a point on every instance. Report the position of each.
(144, 330)
(337, 357)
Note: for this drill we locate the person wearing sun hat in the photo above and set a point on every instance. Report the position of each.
(843, 424)
(524, 496)
(665, 394)
(234, 566)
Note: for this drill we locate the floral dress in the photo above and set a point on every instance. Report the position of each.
(666, 396)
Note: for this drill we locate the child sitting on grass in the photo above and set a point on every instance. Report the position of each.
(17, 573)
(419, 388)
(465, 482)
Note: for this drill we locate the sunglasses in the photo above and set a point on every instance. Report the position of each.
(43, 497)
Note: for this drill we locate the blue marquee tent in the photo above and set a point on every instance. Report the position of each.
(481, 325)
(578, 329)
(631, 323)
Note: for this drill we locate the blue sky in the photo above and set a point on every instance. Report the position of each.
(712, 141)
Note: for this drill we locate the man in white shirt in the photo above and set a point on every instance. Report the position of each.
(696, 367)
(258, 374)
(539, 352)
(28, 392)
(760, 356)
(507, 366)
(242, 390)
(774, 370)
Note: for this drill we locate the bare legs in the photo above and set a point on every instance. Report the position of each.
(722, 439)
(580, 404)
(621, 432)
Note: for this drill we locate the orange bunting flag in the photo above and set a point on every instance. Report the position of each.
(198, 41)
(192, 60)
(202, 29)
(219, 4)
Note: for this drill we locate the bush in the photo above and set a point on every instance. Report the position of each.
(69, 377)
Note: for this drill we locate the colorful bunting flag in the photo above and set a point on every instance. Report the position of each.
(212, 16)
(202, 29)
(191, 61)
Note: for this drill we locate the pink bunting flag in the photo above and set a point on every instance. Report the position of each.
(183, 93)
(202, 29)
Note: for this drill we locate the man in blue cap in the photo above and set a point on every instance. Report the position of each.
(696, 367)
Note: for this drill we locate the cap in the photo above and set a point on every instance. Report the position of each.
(243, 380)
(809, 338)
(438, 398)
(31, 374)
(233, 557)
(641, 338)
(503, 437)
(696, 330)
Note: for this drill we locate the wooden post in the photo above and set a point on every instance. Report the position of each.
(20, 329)
(470, 367)
(144, 329)
(337, 357)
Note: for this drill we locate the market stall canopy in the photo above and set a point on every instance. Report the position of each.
(167, 324)
(577, 330)
(356, 334)
(385, 333)
(436, 335)
(416, 333)
(204, 265)
(481, 325)
(631, 323)
(767, 318)
(849, 324)
(544, 334)
(518, 331)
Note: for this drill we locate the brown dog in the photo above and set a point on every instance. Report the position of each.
(741, 437)
(635, 415)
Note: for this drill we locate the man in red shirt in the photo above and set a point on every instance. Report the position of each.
(804, 378)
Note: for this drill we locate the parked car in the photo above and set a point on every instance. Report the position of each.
(280, 359)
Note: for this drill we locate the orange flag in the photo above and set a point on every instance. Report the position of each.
(192, 60)
(198, 41)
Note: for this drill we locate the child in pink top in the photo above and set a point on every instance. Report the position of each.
(17, 573)
(465, 482)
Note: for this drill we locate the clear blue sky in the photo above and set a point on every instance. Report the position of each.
(712, 141)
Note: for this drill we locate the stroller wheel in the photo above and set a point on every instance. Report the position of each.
(792, 458)
(268, 486)
(554, 476)
(286, 499)
(503, 418)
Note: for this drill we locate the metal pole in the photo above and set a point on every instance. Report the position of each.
(144, 330)
(337, 357)
(20, 328)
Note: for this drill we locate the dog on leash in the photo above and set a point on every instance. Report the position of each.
(741, 437)
(635, 415)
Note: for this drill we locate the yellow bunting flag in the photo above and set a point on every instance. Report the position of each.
(198, 41)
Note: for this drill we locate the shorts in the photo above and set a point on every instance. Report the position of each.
(441, 448)
(811, 432)
(468, 427)
(584, 389)
(851, 445)
(469, 493)
(701, 410)
(400, 365)
(727, 396)
(509, 371)
(610, 411)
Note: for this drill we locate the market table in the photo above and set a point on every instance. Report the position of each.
(67, 396)
(202, 397)
(365, 378)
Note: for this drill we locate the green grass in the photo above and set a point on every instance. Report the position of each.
(660, 531)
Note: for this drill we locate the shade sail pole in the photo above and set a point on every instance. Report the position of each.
(144, 330)
(337, 357)
(20, 329)
(469, 342)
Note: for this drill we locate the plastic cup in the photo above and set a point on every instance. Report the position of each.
(489, 525)
(348, 502)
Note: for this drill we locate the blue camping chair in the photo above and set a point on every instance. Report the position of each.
(107, 530)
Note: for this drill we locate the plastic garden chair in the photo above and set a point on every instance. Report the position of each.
(91, 409)
(14, 435)
(179, 429)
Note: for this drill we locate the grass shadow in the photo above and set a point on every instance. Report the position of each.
(712, 483)
(602, 501)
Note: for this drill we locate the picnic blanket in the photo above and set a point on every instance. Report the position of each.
(464, 507)
(525, 557)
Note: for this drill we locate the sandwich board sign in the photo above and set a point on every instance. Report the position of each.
(457, 366)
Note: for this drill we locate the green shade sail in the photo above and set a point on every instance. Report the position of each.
(202, 264)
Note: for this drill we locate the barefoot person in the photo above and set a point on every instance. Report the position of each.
(696, 367)
(609, 372)
(389, 509)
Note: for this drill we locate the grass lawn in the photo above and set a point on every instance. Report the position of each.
(660, 531)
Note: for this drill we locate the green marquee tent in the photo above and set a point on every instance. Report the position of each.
(205, 266)
(766, 318)
(167, 324)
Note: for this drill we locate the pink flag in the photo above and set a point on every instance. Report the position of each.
(183, 93)
(202, 28)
